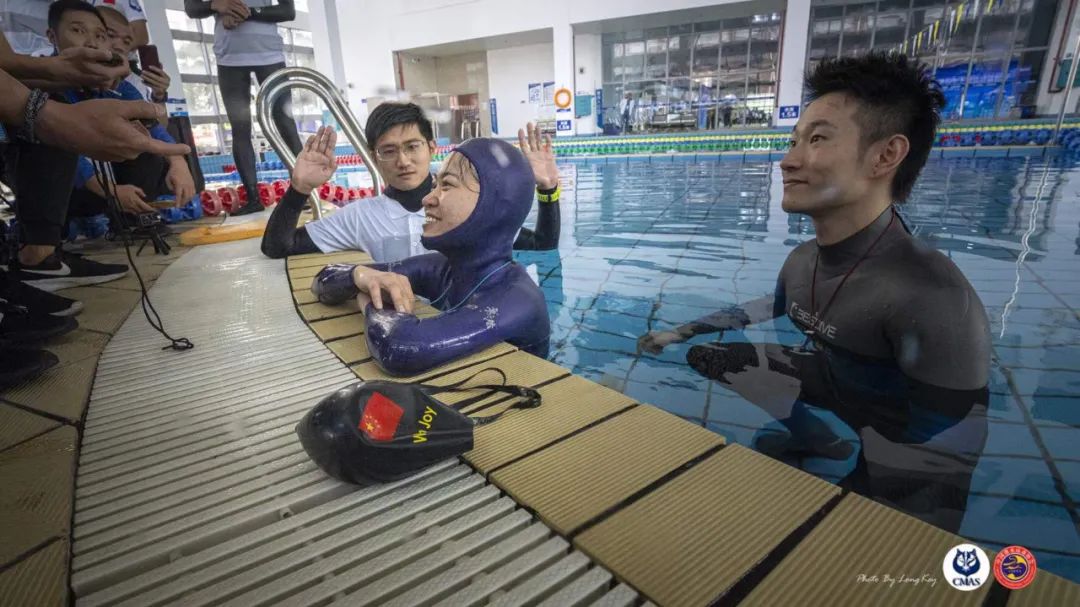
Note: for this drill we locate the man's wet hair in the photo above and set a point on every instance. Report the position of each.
(388, 115)
(896, 95)
(58, 8)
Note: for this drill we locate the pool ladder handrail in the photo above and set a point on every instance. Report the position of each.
(288, 78)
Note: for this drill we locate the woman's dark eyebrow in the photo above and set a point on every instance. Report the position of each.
(442, 176)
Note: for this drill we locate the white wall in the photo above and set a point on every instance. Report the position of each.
(419, 74)
(381, 27)
(509, 72)
(326, 36)
(160, 36)
(588, 77)
(792, 58)
(1050, 103)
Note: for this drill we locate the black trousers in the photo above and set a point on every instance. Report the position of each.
(146, 172)
(42, 178)
(235, 83)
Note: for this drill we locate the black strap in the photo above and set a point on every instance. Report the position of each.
(530, 397)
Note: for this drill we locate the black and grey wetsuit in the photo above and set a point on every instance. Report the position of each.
(902, 356)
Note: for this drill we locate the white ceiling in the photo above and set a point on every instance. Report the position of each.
(481, 44)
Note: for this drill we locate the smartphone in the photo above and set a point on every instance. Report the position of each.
(148, 56)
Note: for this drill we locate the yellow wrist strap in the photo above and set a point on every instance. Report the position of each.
(552, 197)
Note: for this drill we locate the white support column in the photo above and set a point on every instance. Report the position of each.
(562, 38)
(327, 38)
(792, 61)
(587, 78)
(160, 36)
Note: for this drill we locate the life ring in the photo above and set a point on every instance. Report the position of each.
(563, 98)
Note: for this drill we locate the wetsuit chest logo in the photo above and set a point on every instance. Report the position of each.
(807, 318)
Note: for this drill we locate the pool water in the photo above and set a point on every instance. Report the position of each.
(652, 244)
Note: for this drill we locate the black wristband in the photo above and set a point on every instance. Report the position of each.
(34, 103)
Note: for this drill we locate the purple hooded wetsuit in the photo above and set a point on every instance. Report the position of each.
(486, 297)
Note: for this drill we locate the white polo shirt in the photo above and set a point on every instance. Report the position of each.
(131, 9)
(380, 226)
(252, 43)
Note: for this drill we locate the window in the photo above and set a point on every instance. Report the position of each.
(178, 20)
(682, 74)
(1003, 42)
(302, 38)
(201, 99)
(189, 55)
(207, 140)
(193, 41)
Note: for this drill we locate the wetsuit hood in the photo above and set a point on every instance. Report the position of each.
(487, 236)
(411, 200)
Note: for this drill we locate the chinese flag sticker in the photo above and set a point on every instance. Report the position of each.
(381, 417)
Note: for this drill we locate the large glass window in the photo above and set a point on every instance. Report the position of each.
(987, 54)
(690, 75)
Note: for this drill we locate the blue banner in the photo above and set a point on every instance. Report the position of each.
(600, 108)
(494, 117)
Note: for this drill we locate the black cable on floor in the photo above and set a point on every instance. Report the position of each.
(103, 173)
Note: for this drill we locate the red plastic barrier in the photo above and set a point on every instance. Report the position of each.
(339, 194)
(241, 195)
(230, 200)
(324, 191)
(211, 203)
(266, 194)
(279, 189)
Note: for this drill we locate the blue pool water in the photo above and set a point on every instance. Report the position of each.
(653, 244)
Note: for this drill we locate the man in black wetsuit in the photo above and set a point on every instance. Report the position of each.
(389, 225)
(897, 342)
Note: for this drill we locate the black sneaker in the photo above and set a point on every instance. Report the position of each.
(36, 300)
(252, 206)
(64, 270)
(19, 325)
(20, 364)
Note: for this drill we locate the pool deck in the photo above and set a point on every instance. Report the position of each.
(192, 489)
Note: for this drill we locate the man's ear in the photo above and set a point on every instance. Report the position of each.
(431, 146)
(52, 37)
(889, 154)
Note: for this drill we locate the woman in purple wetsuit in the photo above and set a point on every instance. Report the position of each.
(481, 197)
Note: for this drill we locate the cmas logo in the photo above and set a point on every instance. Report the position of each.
(966, 567)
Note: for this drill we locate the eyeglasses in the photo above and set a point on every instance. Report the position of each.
(389, 153)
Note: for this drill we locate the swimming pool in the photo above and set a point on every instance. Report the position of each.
(650, 244)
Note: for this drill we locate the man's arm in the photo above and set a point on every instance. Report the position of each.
(200, 9)
(314, 166)
(941, 337)
(98, 128)
(282, 11)
(730, 318)
(12, 103)
(548, 224)
(75, 67)
(282, 238)
(537, 150)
